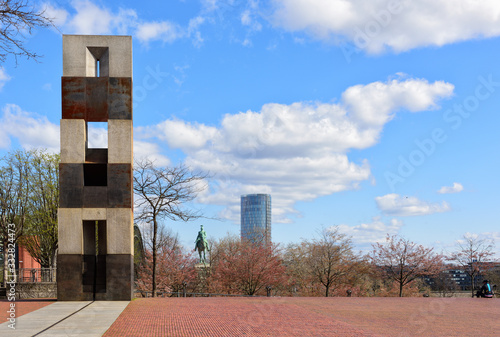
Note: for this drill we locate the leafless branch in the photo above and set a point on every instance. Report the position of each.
(18, 19)
(162, 193)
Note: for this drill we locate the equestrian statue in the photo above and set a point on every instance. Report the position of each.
(201, 245)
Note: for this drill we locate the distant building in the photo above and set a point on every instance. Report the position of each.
(25, 265)
(24, 258)
(256, 217)
(451, 279)
(455, 278)
(461, 279)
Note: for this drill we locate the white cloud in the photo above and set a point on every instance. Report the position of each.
(211, 5)
(125, 20)
(151, 151)
(31, 130)
(381, 100)
(193, 30)
(164, 31)
(194, 23)
(167, 31)
(94, 19)
(88, 17)
(248, 20)
(247, 43)
(296, 152)
(218, 5)
(457, 187)
(179, 134)
(400, 25)
(369, 233)
(397, 205)
(4, 77)
(58, 15)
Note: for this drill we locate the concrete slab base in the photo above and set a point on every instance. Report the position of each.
(83, 318)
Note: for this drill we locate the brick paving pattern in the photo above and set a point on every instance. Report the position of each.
(398, 317)
(414, 316)
(337, 316)
(225, 317)
(22, 307)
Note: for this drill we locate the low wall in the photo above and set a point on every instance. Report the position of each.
(458, 293)
(36, 290)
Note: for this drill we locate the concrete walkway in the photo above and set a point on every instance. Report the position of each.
(67, 319)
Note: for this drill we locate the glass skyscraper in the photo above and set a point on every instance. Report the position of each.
(256, 217)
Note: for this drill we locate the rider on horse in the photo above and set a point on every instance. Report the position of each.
(201, 244)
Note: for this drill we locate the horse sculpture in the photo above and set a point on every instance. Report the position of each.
(201, 245)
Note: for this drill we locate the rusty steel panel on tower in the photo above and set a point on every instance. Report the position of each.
(120, 98)
(96, 156)
(95, 197)
(74, 98)
(71, 185)
(120, 186)
(97, 99)
(70, 266)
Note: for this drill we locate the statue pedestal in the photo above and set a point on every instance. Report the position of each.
(203, 271)
(202, 266)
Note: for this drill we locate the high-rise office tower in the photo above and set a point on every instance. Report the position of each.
(256, 217)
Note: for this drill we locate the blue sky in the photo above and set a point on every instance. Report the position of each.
(376, 116)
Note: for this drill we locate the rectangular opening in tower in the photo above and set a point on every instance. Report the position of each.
(97, 61)
(97, 135)
(94, 258)
(95, 175)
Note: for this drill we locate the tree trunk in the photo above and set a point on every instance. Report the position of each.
(155, 230)
(400, 289)
(53, 263)
(5, 269)
(472, 285)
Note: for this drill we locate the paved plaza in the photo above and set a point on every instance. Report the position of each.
(275, 316)
(83, 318)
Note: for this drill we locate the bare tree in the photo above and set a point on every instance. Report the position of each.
(404, 261)
(18, 18)
(473, 256)
(294, 258)
(162, 193)
(330, 259)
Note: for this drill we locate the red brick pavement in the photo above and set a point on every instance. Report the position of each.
(338, 316)
(415, 316)
(225, 317)
(396, 317)
(22, 307)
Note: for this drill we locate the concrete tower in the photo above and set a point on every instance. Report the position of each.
(95, 257)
